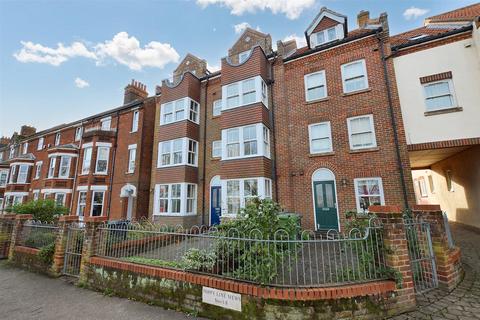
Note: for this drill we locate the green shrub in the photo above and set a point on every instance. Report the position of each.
(42, 210)
(46, 253)
(39, 239)
(199, 259)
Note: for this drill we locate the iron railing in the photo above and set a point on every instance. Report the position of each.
(6, 228)
(73, 249)
(304, 259)
(36, 234)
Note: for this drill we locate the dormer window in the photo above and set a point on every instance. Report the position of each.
(324, 36)
(243, 56)
(106, 123)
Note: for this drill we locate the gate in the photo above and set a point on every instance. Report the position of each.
(6, 228)
(421, 255)
(73, 250)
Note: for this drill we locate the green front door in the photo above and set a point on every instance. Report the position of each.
(325, 205)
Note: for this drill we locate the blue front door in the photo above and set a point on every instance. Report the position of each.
(215, 208)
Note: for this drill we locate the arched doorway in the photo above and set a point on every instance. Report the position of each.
(215, 200)
(129, 192)
(324, 191)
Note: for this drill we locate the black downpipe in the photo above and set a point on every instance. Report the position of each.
(204, 152)
(392, 118)
(273, 153)
(114, 156)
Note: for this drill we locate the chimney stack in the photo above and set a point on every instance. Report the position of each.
(4, 141)
(27, 131)
(362, 18)
(135, 91)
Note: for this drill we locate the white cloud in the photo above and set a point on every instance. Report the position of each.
(126, 50)
(123, 49)
(80, 83)
(240, 27)
(414, 13)
(291, 8)
(301, 42)
(34, 52)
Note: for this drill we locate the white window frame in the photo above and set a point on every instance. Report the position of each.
(132, 156)
(324, 85)
(80, 203)
(64, 198)
(98, 159)
(183, 200)
(217, 108)
(4, 172)
(78, 133)
(329, 136)
(357, 195)
(24, 174)
(372, 126)
(217, 149)
(87, 163)
(40, 143)
(51, 167)
(314, 41)
(106, 123)
(11, 154)
(263, 149)
(58, 137)
(135, 120)
(187, 109)
(68, 159)
(38, 169)
(185, 142)
(12, 175)
(261, 93)
(93, 204)
(243, 56)
(451, 93)
(365, 75)
(25, 148)
(264, 189)
(422, 187)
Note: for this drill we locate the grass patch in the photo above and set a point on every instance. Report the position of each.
(154, 262)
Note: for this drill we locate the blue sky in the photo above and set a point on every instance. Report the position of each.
(105, 44)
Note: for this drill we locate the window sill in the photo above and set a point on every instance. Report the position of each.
(215, 158)
(323, 154)
(317, 101)
(174, 214)
(130, 173)
(100, 174)
(174, 122)
(443, 111)
(356, 92)
(365, 150)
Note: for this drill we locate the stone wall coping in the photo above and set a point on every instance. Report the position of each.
(24, 217)
(385, 209)
(68, 219)
(96, 219)
(426, 207)
(379, 287)
(27, 250)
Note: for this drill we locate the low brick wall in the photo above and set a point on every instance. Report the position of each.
(27, 258)
(182, 290)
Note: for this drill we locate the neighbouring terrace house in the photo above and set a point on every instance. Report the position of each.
(437, 68)
(318, 129)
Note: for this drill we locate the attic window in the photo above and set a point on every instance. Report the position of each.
(420, 36)
(242, 56)
(247, 39)
(324, 36)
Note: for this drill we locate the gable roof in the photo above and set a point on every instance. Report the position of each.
(325, 12)
(468, 13)
(250, 31)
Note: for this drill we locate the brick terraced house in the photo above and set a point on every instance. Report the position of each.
(319, 129)
(96, 166)
(437, 69)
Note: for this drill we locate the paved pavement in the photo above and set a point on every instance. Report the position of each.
(25, 295)
(463, 302)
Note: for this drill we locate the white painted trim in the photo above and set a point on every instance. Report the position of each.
(336, 194)
(185, 143)
(183, 200)
(261, 152)
(329, 136)
(87, 145)
(186, 111)
(365, 73)
(21, 163)
(99, 188)
(132, 146)
(91, 201)
(82, 188)
(50, 190)
(450, 88)
(258, 80)
(372, 123)
(103, 144)
(59, 154)
(324, 84)
(16, 193)
(324, 14)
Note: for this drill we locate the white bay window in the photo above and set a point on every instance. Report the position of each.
(240, 191)
(64, 171)
(182, 151)
(175, 199)
(87, 159)
(103, 154)
(247, 141)
(244, 92)
(178, 110)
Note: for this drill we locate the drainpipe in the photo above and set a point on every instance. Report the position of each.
(204, 153)
(392, 118)
(114, 154)
(74, 185)
(273, 153)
